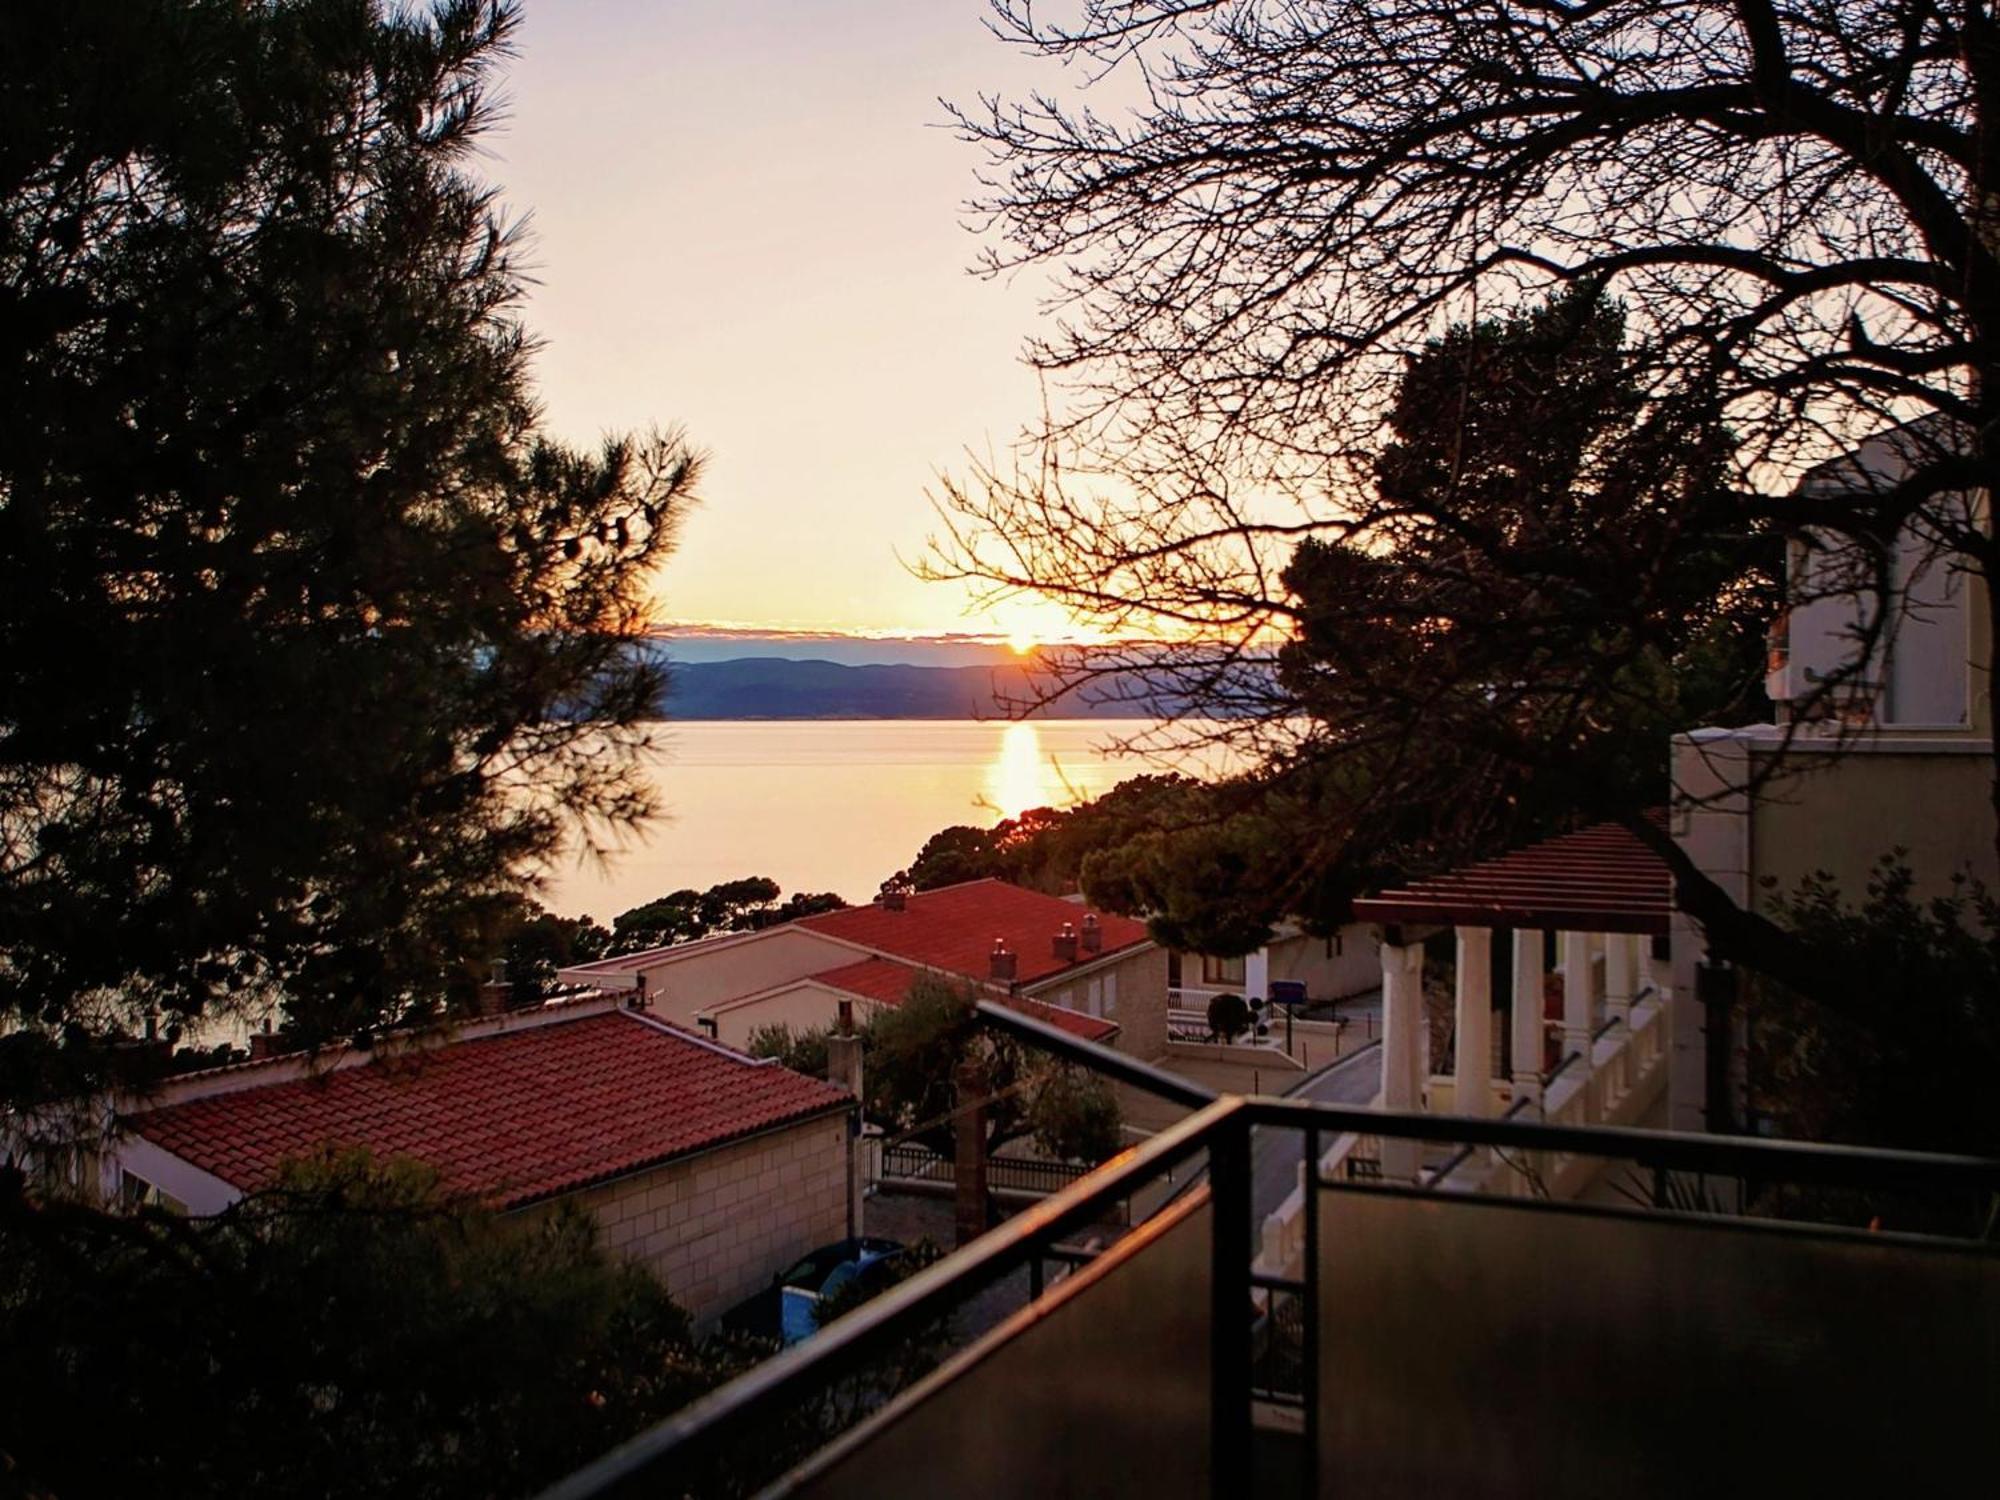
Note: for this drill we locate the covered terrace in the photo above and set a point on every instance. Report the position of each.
(1560, 938)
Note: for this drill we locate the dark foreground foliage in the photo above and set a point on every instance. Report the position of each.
(1912, 1067)
(351, 1332)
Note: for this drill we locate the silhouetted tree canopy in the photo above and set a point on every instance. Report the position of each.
(911, 1055)
(350, 1332)
(1526, 624)
(1045, 848)
(539, 943)
(742, 905)
(1256, 214)
(312, 643)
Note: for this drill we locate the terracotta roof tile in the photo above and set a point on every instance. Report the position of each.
(953, 928)
(880, 979)
(511, 1118)
(1075, 1022)
(889, 982)
(1598, 879)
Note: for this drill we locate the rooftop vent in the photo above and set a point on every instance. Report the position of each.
(1063, 944)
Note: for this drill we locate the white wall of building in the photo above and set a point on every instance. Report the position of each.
(688, 980)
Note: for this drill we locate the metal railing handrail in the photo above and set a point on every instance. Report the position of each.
(1220, 1126)
(1812, 1162)
(852, 1340)
(1095, 1056)
(1463, 1154)
(1750, 1156)
(1557, 1073)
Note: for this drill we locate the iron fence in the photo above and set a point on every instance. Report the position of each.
(912, 1162)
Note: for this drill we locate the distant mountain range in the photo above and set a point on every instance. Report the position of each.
(713, 645)
(767, 687)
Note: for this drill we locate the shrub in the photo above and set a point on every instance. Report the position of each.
(1228, 1017)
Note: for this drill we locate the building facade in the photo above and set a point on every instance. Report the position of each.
(1095, 974)
(713, 1169)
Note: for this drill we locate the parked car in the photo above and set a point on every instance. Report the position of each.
(788, 1309)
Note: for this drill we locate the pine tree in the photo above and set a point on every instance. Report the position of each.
(312, 643)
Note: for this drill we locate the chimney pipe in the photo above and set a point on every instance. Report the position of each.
(894, 898)
(1063, 945)
(496, 994)
(1003, 962)
(844, 1018)
(263, 1043)
(1093, 933)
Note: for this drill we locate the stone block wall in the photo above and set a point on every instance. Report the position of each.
(1142, 1005)
(719, 1226)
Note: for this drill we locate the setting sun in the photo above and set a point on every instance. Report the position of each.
(1027, 624)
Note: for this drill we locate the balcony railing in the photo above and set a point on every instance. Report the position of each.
(1756, 1297)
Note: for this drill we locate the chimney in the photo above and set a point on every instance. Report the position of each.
(262, 1043)
(843, 1024)
(496, 994)
(894, 897)
(1093, 933)
(1003, 963)
(1063, 945)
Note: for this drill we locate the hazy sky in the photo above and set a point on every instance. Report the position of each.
(748, 221)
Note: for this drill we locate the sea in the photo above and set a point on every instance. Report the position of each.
(841, 805)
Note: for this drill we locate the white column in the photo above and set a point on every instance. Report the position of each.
(1579, 996)
(1402, 1052)
(1712, 824)
(1473, 1092)
(1621, 974)
(1257, 975)
(1528, 990)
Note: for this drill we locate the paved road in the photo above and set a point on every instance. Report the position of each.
(1275, 1154)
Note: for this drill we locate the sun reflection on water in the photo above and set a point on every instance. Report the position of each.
(1020, 776)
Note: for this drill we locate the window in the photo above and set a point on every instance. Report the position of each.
(1111, 993)
(1221, 970)
(135, 1192)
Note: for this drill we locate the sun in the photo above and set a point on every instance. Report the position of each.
(1029, 625)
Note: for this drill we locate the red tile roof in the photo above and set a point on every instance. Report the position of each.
(512, 1118)
(1598, 879)
(953, 929)
(1075, 1022)
(889, 982)
(880, 979)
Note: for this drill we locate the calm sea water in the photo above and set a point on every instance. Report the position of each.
(839, 805)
